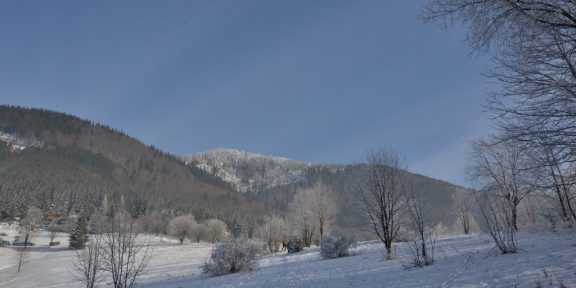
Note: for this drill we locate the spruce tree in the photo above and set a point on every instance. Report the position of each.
(79, 235)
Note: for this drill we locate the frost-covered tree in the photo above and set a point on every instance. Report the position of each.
(273, 232)
(33, 217)
(502, 170)
(52, 230)
(29, 223)
(200, 233)
(216, 229)
(534, 46)
(302, 217)
(311, 212)
(182, 227)
(463, 205)
(155, 223)
(555, 179)
(323, 204)
(499, 170)
(106, 207)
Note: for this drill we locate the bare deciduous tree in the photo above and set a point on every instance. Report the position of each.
(123, 256)
(535, 47)
(497, 220)
(501, 169)
(311, 211)
(29, 223)
(419, 215)
(535, 51)
(463, 203)
(200, 233)
(27, 231)
(52, 230)
(156, 223)
(88, 266)
(380, 193)
(555, 177)
(322, 202)
(21, 257)
(216, 229)
(302, 218)
(273, 232)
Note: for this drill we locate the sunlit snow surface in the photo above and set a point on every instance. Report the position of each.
(461, 261)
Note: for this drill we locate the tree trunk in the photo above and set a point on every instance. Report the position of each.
(515, 217)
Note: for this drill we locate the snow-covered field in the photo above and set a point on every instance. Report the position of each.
(461, 261)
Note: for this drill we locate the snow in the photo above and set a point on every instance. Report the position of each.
(247, 171)
(461, 261)
(17, 143)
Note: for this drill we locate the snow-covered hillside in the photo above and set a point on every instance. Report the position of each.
(250, 171)
(17, 143)
(546, 260)
(461, 261)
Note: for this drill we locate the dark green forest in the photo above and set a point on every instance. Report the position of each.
(79, 162)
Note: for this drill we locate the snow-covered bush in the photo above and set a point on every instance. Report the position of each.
(421, 255)
(232, 255)
(295, 245)
(334, 246)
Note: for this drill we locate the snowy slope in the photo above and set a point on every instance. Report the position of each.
(247, 171)
(461, 261)
(17, 143)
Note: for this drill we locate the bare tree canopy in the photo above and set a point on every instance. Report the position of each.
(88, 266)
(311, 212)
(123, 256)
(273, 232)
(501, 169)
(216, 228)
(555, 178)
(463, 205)
(182, 227)
(418, 207)
(535, 51)
(380, 194)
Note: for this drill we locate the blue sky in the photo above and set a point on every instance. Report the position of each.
(318, 81)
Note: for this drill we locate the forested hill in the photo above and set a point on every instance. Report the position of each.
(273, 181)
(60, 162)
(50, 159)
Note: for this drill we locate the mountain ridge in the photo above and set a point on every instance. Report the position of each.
(80, 161)
(51, 159)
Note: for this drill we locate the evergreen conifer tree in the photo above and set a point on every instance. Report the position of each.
(79, 235)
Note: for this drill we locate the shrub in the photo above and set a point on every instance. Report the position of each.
(334, 246)
(232, 255)
(418, 258)
(295, 245)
